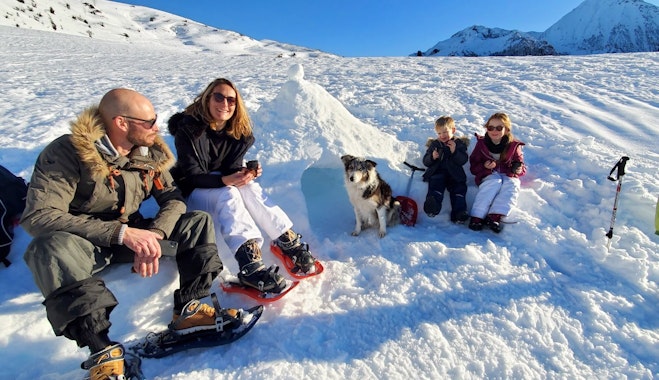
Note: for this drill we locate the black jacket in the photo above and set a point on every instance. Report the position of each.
(204, 155)
(448, 163)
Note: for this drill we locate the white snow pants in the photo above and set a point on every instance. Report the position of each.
(497, 194)
(239, 212)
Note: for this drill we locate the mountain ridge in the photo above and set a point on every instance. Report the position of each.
(593, 27)
(112, 21)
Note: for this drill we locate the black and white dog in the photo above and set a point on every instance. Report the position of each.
(370, 195)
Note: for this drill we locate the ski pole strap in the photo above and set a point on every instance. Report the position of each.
(620, 165)
(414, 168)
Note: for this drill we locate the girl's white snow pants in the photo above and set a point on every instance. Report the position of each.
(497, 194)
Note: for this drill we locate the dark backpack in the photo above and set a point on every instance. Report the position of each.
(13, 191)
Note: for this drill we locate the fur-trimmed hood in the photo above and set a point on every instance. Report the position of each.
(88, 137)
(182, 121)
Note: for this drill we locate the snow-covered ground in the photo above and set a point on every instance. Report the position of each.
(543, 299)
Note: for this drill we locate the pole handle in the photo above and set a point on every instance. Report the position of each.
(414, 168)
(620, 165)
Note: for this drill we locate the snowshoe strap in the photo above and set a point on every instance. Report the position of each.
(102, 356)
(252, 267)
(216, 303)
(269, 276)
(189, 309)
(289, 244)
(220, 320)
(301, 252)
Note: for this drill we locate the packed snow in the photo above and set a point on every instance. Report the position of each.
(542, 299)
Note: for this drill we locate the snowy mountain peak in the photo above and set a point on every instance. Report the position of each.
(595, 26)
(110, 21)
(480, 40)
(607, 26)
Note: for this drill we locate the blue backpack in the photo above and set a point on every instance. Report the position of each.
(13, 191)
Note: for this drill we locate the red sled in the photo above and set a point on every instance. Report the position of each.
(231, 284)
(408, 210)
(290, 267)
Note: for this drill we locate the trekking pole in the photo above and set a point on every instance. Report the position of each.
(620, 166)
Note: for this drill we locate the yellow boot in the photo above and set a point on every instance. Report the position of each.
(199, 316)
(107, 364)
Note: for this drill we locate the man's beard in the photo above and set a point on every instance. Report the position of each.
(137, 140)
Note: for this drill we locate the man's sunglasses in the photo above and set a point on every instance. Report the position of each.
(148, 124)
(231, 100)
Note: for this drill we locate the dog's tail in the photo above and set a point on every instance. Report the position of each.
(394, 212)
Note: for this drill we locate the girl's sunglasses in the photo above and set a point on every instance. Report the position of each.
(498, 128)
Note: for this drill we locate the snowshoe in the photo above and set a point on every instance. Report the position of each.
(231, 284)
(290, 264)
(255, 275)
(227, 329)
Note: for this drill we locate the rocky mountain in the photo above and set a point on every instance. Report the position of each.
(594, 27)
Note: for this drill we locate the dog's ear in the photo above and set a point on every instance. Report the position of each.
(371, 163)
(347, 158)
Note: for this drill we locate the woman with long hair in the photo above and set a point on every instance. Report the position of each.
(212, 136)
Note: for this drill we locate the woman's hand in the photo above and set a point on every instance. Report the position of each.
(490, 164)
(242, 177)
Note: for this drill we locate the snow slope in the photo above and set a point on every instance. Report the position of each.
(112, 21)
(543, 299)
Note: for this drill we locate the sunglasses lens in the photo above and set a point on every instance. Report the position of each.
(148, 124)
(221, 98)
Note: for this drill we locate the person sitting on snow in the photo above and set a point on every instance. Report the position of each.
(83, 212)
(444, 159)
(497, 162)
(212, 136)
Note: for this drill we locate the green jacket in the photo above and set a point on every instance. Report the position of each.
(82, 186)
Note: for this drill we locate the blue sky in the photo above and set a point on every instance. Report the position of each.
(357, 28)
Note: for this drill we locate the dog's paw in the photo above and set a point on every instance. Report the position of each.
(355, 233)
(382, 233)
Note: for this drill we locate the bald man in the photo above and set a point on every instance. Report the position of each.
(83, 213)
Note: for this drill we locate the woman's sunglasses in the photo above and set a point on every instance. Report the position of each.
(231, 100)
(498, 128)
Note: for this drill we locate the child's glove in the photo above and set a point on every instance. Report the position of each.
(516, 167)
